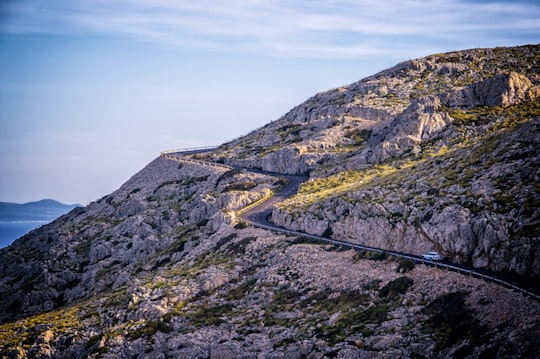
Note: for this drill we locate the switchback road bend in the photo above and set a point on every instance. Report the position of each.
(258, 215)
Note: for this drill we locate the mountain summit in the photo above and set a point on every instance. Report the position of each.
(435, 154)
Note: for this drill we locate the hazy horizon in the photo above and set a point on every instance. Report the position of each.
(92, 91)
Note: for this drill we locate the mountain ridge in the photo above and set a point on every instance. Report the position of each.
(43, 210)
(436, 152)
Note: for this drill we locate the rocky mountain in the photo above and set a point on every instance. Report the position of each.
(436, 153)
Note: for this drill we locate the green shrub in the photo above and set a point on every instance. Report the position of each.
(396, 287)
(353, 321)
(371, 255)
(240, 225)
(359, 136)
(206, 315)
(202, 223)
(305, 240)
(286, 297)
(240, 246)
(149, 329)
(242, 290)
(328, 232)
(93, 340)
(243, 186)
(451, 321)
(405, 265)
(373, 285)
(225, 240)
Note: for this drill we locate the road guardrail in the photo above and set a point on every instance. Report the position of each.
(177, 155)
(355, 246)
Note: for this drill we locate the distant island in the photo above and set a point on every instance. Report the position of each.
(18, 219)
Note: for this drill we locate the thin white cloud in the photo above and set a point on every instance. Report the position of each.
(345, 28)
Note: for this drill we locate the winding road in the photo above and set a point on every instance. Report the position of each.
(257, 216)
(259, 213)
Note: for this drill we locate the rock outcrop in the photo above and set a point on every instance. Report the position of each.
(500, 90)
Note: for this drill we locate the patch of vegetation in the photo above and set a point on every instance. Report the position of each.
(149, 329)
(202, 262)
(184, 235)
(183, 182)
(25, 331)
(353, 313)
(328, 300)
(451, 322)
(405, 265)
(352, 322)
(208, 315)
(177, 310)
(359, 136)
(305, 240)
(457, 162)
(117, 298)
(240, 246)
(370, 255)
(318, 189)
(208, 259)
(481, 115)
(289, 130)
(83, 248)
(373, 285)
(526, 231)
(396, 287)
(242, 290)
(241, 225)
(240, 186)
(225, 240)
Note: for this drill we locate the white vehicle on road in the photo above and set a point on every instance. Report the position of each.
(432, 256)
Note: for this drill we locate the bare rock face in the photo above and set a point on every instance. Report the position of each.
(499, 90)
(420, 122)
(285, 160)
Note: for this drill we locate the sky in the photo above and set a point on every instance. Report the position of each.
(93, 90)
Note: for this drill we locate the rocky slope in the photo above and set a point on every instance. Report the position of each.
(440, 152)
(160, 210)
(394, 112)
(436, 153)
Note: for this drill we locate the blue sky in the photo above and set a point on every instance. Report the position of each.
(91, 91)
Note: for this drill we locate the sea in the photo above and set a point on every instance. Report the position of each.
(10, 231)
